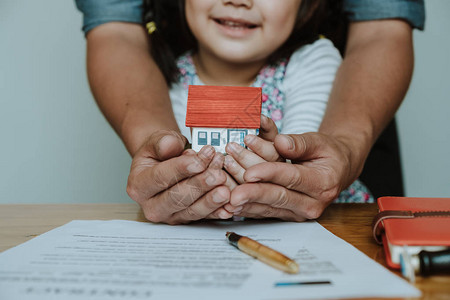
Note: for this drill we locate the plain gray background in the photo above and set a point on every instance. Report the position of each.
(56, 147)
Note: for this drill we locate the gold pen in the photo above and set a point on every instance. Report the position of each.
(263, 253)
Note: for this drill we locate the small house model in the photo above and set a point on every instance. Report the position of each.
(218, 115)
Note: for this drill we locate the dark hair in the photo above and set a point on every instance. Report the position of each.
(173, 37)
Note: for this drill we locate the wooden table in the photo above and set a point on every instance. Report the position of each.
(351, 222)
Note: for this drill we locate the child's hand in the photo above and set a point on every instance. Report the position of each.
(261, 150)
(240, 159)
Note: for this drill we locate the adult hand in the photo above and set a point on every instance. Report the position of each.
(320, 170)
(175, 186)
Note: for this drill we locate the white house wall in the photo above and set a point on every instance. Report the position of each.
(223, 137)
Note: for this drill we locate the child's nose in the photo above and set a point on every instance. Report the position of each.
(246, 3)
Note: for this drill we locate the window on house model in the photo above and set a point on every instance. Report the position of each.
(215, 139)
(237, 136)
(202, 139)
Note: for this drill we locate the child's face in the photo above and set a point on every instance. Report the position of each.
(241, 31)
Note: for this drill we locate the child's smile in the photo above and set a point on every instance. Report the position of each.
(235, 28)
(241, 31)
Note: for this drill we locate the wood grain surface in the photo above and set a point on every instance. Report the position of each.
(351, 222)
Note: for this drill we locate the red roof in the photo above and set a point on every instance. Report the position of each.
(223, 107)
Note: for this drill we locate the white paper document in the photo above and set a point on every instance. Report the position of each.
(102, 260)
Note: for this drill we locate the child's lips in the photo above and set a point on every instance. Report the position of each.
(235, 27)
(235, 23)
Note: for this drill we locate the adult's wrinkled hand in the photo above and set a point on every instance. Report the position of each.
(175, 186)
(320, 170)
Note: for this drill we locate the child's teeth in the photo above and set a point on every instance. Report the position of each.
(233, 24)
(230, 23)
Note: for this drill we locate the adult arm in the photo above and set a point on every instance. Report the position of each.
(369, 87)
(133, 96)
(127, 84)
